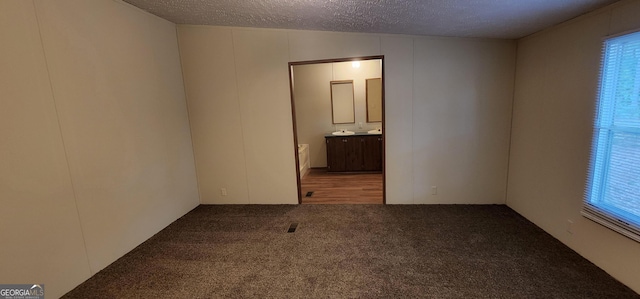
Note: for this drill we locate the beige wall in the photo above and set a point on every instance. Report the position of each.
(313, 102)
(345, 71)
(42, 240)
(448, 111)
(96, 154)
(556, 82)
(242, 141)
(313, 108)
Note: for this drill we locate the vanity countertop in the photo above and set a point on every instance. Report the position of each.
(356, 134)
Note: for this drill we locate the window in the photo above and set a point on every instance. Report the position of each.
(613, 190)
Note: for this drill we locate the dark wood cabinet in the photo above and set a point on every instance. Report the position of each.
(372, 153)
(337, 156)
(354, 153)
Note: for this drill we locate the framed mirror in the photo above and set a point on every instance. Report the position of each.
(342, 104)
(374, 100)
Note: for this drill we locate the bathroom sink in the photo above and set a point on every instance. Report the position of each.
(376, 131)
(343, 133)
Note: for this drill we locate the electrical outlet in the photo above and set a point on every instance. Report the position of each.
(223, 191)
(570, 226)
(434, 190)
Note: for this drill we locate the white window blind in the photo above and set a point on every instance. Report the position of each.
(613, 189)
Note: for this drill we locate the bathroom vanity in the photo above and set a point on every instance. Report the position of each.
(360, 152)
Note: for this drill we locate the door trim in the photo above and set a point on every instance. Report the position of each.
(295, 129)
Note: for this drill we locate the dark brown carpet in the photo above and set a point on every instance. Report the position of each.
(338, 251)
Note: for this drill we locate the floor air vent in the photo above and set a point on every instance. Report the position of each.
(292, 228)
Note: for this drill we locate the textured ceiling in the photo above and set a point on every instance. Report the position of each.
(462, 18)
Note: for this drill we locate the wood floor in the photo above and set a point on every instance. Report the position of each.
(338, 188)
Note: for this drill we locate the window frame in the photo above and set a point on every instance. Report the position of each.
(615, 220)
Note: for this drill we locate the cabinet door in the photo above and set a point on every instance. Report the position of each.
(353, 150)
(372, 153)
(335, 154)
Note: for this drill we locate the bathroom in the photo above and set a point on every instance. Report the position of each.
(335, 99)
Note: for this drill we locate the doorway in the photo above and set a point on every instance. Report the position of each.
(338, 127)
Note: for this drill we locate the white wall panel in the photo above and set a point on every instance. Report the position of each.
(214, 113)
(315, 45)
(624, 17)
(41, 236)
(265, 108)
(313, 109)
(398, 126)
(461, 117)
(117, 83)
